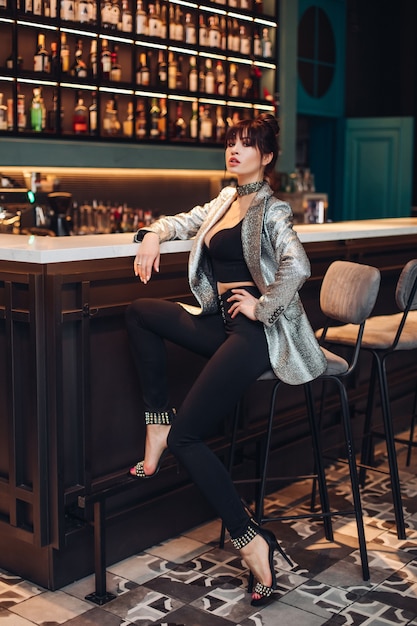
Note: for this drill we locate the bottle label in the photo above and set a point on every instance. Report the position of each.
(67, 10)
(214, 38)
(190, 36)
(245, 45)
(141, 24)
(127, 25)
(193, 81)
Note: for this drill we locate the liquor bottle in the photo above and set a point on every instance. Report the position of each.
(172, 71)
(92, 115)
(179, 76)
(233, 3)
(82, 15)
(3, 113)
(257, 44)
(80, 116)
(93, 58)
(37, 7)
(65, 54)
(179, 126)
(116, 69)
(68, 10)
(190, 30)
(105, 59)
(233, 86)
(116, 15)
(127, 20)
(162, 122)
(163, 22)
(246, 5)
(141, 19)
(92, 11)
(55, 60)
(41, 61)
(36, 110)
(266, 44)
(106, 14)
(79, 67)
(154, 114)
(55, 116)
(143, 74)
(193, 75)
(162, 70)
(235, 41)
(3, 5)
(141, 124)
(209, 77)
(223, 34)
(179, 27)
(206, 128)
(220, 77)
(53, 9)
(245, 42)
(128, 122)
(21, 112)
(220, 125)
(214, 32)
(154, 22)
(111, 123)
(202, 32)
(171, 22)
(28, 6)
(256, 75)
(194, 120)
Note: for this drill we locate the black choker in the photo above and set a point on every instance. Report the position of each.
(244, 190)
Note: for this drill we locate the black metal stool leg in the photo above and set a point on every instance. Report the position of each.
(367, 444)
(391, 451)
(318, 463)
(354, 479)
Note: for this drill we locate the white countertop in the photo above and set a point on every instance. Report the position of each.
(35, 249)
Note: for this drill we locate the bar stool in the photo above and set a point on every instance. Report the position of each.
(347, 295)
(385, 335)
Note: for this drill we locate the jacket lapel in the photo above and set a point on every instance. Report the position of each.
(251, 239)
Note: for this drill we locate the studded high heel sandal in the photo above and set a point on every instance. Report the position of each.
(153, 417)
(261, 590)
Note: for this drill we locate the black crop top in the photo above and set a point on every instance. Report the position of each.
(226, 253)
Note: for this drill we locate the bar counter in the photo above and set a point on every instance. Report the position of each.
(71, 411)
(31, 249)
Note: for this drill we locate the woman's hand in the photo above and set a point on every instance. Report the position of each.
(147, 258)
(243, 302)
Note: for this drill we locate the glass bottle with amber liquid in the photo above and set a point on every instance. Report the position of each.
(41, 59)
(154, 115)
(179, 127)
(80, 117)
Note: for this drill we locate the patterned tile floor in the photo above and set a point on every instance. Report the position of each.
(189, 581)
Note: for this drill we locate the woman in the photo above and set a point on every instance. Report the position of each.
(246, 267)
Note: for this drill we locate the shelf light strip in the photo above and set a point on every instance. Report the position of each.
(32, 81)
(76, 31)
(182, 98)
(182, 50)
(184, 3)
(213, 10)
(116, 38)
(146, 44)
(248, 18)
(128, 92)
(46, 26)
(150, 94)
(78, 86)
(260, 20)
(6, 20)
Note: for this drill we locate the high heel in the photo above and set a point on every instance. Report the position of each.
(137, 471)
(262, 590)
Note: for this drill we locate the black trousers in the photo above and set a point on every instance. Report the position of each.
(237, 353)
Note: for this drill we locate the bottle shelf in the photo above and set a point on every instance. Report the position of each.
(211, 64)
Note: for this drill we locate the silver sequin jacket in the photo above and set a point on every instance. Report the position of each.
(278, 264)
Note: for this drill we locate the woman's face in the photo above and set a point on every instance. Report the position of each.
(244, 160)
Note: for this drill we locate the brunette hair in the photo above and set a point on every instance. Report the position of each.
(262, 132)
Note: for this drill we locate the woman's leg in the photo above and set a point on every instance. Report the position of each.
(150, 322)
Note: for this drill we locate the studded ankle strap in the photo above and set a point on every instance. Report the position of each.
(159, 417)
(243, 540)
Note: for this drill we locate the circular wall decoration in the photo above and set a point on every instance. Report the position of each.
(316, 52)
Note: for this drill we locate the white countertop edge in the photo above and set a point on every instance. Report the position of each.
(43, 250)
